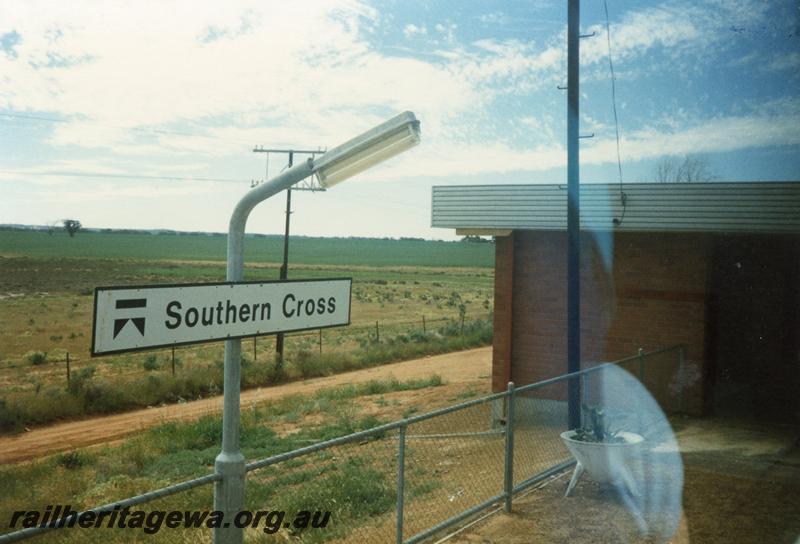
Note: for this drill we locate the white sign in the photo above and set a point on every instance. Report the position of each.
(135, 318)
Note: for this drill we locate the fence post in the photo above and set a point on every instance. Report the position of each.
(67, 370)
(320, 341)
(585, 389)
(681, 379)
(377, 332)
(255, 353)
(641, 365)
(424, 331)
(173, 361)
(508, 475)
(401, 482)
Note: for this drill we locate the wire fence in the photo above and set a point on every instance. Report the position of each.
(262, 348)
(414, 478)
(372, 332)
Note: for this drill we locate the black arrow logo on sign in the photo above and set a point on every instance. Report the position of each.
(138, 322)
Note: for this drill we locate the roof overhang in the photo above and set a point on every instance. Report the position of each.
(484, 232)
(770, 207)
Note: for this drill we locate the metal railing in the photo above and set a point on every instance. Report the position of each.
(442, 467)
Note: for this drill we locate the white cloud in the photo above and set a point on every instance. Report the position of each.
(447, 31)
(281, 66)
(412, 29)
(775, 124)
(682, 30)
(163, 88)
(266, 74)
(789, 61)
(714, 135)
(495, 17)
(103, 192)
(679, 28)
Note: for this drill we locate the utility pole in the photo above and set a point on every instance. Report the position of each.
(284, 272)
(573, 214)
(285, 265)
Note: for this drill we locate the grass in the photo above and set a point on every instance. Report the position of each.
(318, 251)
(355, 491)
(378, 387)
(354, 482)
(464, 395)
(416, 290)
(90, 394)
(58, 293)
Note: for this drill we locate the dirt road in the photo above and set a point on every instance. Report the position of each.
(456, 367)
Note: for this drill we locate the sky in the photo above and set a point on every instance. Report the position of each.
(145, 114)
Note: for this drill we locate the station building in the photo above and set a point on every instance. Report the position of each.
(714, 267)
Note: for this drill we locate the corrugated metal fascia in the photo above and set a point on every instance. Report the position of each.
(717, 207)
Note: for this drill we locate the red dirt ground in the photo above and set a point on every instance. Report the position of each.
(456, 367)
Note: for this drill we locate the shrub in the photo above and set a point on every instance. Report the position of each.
(103, 398)
(36, 357)
(80, 378)
(310, 365)
(72, 460)
(151, 363)
(276, 373)
(11, 417)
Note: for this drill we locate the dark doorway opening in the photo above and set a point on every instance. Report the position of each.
(753, 328)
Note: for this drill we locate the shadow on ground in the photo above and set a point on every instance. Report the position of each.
(741, 484)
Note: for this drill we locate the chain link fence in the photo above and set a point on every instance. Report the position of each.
(411, 479)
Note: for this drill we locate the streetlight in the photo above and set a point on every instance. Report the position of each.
(370, 148)
(362, 152)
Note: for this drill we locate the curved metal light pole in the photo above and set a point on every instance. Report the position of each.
(229, 492)
(370, 148)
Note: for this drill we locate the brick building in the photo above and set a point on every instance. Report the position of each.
(712, 266)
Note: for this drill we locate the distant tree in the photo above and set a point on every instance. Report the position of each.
(474, 238)
(686, 169)
(72, 226)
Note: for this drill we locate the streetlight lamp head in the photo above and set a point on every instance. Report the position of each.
(370, 148)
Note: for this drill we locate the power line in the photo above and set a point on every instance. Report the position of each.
(34, 118)
(613, 90)
(120, 127)
(384, 201)
(117, 176)
(261, 149)
(284, 272)
(623, 197)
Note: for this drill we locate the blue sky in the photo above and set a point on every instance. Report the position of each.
(125, 94)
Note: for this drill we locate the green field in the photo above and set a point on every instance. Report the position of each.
(409, 299)
(261, 249)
